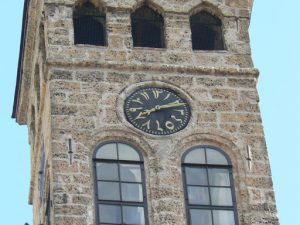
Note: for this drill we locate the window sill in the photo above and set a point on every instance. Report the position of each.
(149, 48)
(211, 51)
(90, 46)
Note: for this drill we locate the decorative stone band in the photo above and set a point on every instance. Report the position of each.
(192, 70)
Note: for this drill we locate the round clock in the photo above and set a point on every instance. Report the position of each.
(157, 111)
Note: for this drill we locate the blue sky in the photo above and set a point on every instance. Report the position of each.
(275, 37)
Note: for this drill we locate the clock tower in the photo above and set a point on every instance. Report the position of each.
(143, 112)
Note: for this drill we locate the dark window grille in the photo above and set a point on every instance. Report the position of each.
(89, 25)
(147, 28)
(119, 185)
(206, 32)
(209, 188)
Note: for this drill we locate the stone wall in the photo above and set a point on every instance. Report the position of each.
(61, 48)
(87, 106)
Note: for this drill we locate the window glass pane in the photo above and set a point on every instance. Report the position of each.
(132, 192)
(223, 217)
(198, 195)
(196, 176)
(131, 173)
(126, 152)
(221, 196)
(108, 151)
(195, 156)
(108, 191)
(107, 171)
(133, 215)
(110, 214)
(215, 157)
(200, 217)
(219, 177)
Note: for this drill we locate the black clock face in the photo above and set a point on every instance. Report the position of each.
(157, 111)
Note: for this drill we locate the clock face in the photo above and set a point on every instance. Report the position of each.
(157, 111)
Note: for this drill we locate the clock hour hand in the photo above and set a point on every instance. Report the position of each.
(148, 112)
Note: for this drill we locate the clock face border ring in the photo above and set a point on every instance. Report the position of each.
(129, 90)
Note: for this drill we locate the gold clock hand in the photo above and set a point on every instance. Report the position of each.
(171, 105)
(159, 107)
(147, 112)
(140, 116)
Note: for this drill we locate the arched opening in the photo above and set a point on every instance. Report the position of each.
(147, 28)
(89, 25)
(206, 31)
(119, 185)
(209, 187)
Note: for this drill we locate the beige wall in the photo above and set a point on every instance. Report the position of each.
(87, 106)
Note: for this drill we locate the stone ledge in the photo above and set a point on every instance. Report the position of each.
(191, 70)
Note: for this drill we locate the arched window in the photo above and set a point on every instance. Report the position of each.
(208, 183)
(206, 32)
(89, 25)
(120, 185)
(147, 28)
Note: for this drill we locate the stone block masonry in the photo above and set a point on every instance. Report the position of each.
(224, 113)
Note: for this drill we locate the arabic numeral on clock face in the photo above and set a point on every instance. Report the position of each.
(169, 125)
(135, 109)
(180, 110)
(140, 116)
(156, 93)
(147, 124)
(168, 95)
(138, 100)
(158, 126)
(145, 95)
(177, 119)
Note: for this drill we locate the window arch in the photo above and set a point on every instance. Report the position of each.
(89, 25)
(209, 187)
(147, 28)
(206, 32)
(119, 185)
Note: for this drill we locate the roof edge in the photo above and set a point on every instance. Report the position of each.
(21, 58)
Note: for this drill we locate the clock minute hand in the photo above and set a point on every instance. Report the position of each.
(159, 107)
(172, 105)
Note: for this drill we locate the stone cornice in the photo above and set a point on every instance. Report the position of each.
(26, 57)
(21, 59)
(191, 70)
